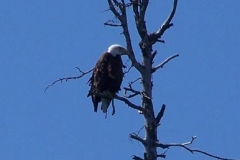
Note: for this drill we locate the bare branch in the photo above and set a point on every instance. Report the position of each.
(136, 137)
(112, 24)
(135, 93)
(131, 55)
(123, 3)
(116, 2)
(114, 11)
(118, 8)
(128, 70)
(153, 56)
(167, 24)
(161, 41)
(136, 158)
(131, 83)
(161, 155)
(210, 155)
(69, 78)
(130, 89)
(184, 145)
(138, 132)
(130, 104)
(164, 62)
(131, 95)
(123, 19)
(164, 146)
(135, 9)
(160, 114)
(140, 17)
(143, 8)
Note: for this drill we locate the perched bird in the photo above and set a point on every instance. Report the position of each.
(107, 77)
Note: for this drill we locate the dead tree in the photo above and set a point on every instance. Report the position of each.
(146, 69)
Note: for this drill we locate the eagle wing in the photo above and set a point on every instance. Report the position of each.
(107, 76)
(98, 81)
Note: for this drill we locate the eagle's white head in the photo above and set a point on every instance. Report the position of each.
(117, 49)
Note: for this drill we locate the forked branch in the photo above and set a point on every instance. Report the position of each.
(139, 10)
(156, 36)
(130, 89)
(184, 145)
(134, 92)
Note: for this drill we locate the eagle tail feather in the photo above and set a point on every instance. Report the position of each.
(105, 104)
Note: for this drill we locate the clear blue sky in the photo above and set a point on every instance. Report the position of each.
(41, 41)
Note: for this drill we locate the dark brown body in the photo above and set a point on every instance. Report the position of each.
(107, 76)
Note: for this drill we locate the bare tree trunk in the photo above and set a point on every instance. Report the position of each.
(145, 68)
(150, 122)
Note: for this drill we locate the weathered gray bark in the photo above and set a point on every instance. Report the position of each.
(146, 69)
(150, 122)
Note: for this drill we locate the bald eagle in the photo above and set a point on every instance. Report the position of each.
(107, 77)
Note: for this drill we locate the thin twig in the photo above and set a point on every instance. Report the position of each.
(184, 145)
(69, 78)
(128, 70)
(138, 132)
(135, 93)
(132, 82)
(162, 41)
(112, 25)
(131, 95)
(210, 155)
(164, 62)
